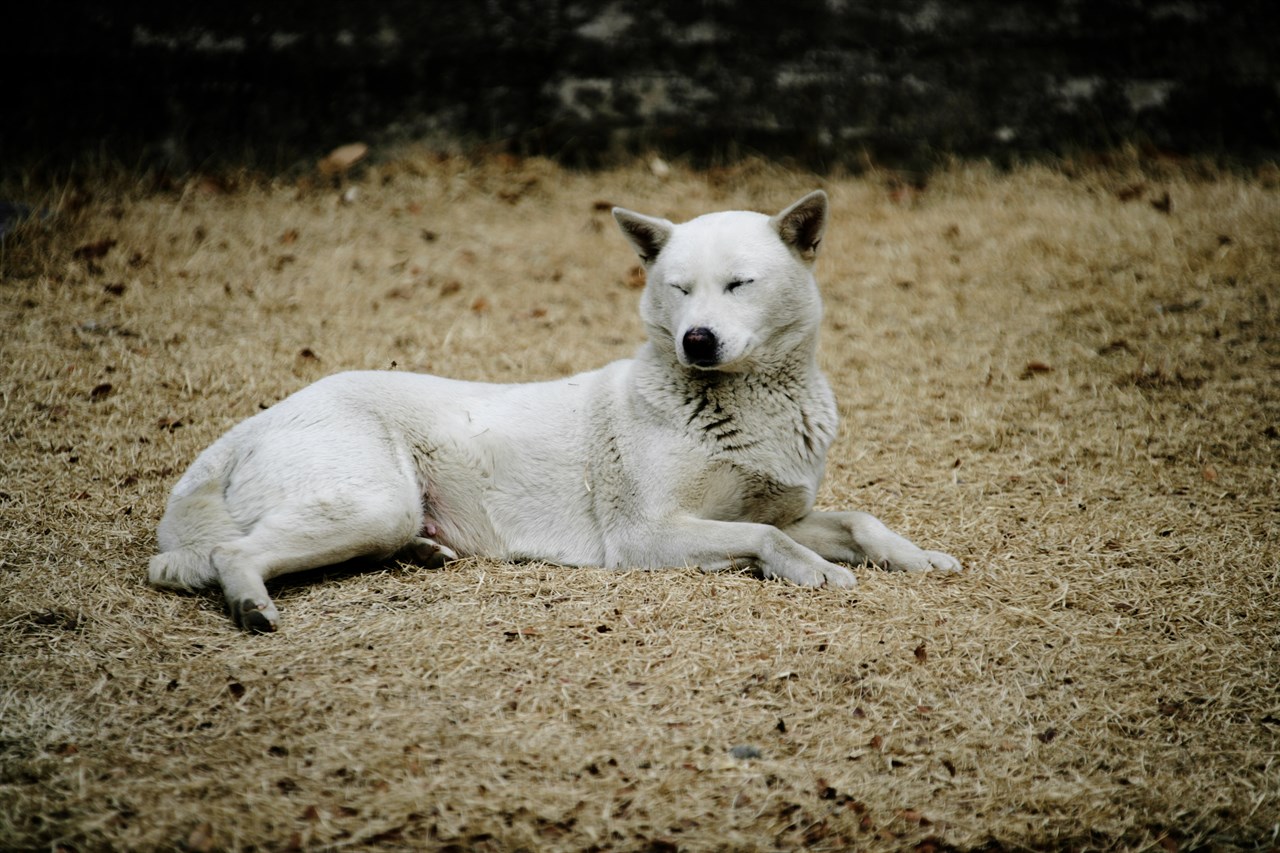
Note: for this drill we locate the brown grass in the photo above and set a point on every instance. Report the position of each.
(1068, 386)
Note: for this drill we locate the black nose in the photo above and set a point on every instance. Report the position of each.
(700, 346)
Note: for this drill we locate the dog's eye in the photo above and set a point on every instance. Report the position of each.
(681, 288)
(736, 283)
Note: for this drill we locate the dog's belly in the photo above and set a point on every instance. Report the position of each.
(500, 470)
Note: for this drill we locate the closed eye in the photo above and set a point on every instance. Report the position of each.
(681, 288)
(736, 283)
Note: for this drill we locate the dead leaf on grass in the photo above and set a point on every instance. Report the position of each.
(342, 158)
(201, 838)
(94, 251)
(1131, 192)
(1035, 368)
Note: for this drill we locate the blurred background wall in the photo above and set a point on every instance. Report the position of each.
(825, 82)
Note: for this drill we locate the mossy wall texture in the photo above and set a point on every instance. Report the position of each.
(828, 81)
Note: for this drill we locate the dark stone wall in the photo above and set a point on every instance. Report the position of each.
(823, 81)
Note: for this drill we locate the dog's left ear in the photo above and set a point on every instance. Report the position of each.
(647, 234)
(802, 224)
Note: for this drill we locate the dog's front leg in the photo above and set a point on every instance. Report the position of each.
(715, 546)
(858, 537)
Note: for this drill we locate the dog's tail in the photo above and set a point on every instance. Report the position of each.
(195, 522)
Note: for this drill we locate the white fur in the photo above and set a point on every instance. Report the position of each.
(708, 459)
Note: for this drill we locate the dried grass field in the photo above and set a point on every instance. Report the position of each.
(1069, 377)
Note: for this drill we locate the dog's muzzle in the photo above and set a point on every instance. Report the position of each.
(701, 348)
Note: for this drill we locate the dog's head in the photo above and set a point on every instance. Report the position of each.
(728, 291)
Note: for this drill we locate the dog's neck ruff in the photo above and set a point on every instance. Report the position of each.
(741, 410)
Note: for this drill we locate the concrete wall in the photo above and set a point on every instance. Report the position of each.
(826, 81)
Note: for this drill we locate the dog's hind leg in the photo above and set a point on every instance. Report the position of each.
(194, 522)
(305, 536)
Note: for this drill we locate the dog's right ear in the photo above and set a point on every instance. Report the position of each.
(647, 234)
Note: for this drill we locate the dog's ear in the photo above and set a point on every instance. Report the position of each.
(802, 224)
(647, 234)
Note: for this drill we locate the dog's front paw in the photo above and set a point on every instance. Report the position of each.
(836, 576)
(913, 559)
(817, 573)
(943, 562)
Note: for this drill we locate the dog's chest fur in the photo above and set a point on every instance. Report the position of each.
(759, 440)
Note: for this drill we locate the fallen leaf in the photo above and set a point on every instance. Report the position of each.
(1131, 192)
(922, 653)
(1047, 735)
(342, 158)
(201, 838)
(1209, 473)
(94, 251)
(100, 392)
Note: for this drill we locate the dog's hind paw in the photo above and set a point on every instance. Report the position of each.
(255, 616)
(429, 553)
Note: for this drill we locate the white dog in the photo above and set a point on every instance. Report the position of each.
(704, 450)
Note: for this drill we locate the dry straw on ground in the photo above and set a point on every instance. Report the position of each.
(1067, 377)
